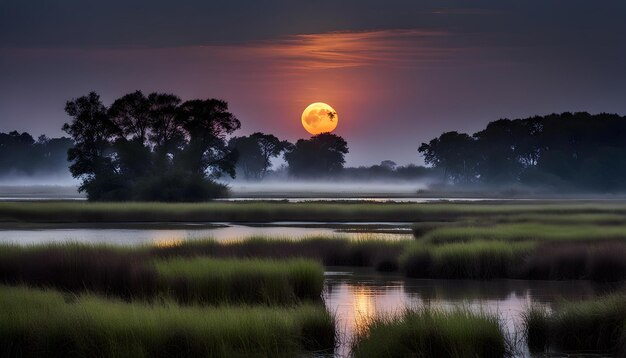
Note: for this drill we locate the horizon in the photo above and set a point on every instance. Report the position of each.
(399, 80)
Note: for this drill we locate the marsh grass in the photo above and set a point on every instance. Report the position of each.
(74, 212)
(603, 261)
(429, 332)
(597, 325)
(476, 260)
(331, 251)
(35, 323)
(526, 232)
(210, 280)
(135, 273)
(75, 267)
(600, 261)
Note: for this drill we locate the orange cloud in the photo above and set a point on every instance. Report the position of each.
(343, 50)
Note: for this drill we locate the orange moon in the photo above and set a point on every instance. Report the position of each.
(319, 118)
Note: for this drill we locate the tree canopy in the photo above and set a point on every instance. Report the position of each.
(322, 154)
(153, 147)
(255, 153)
(21, 154)
(563, 151)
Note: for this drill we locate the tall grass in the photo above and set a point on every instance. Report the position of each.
(476, 260)
(139, 274)
(526, 232)
(36, 323)
(600, 261)
(331, 251)
(591, 326)
(74, 267)
(210, 280)
(429, 333)
(603, 261)
(72, 212)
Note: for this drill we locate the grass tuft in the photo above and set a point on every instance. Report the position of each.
(48, 323)
(590, 326)
(432, 333)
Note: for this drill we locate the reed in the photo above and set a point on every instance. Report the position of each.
(35, 323)
(430, 332)
(597, 325)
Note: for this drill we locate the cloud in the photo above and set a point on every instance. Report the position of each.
(335, 50)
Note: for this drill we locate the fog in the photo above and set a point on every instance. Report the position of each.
(66, 188)
(320, 188)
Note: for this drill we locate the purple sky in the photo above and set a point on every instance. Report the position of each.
(397, 72)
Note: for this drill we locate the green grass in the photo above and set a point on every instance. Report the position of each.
(475, 260)
(35, 323)
(526, 232)
(138, 273)
(561, 219)
(591, 326)
(429, 333)
(210, 280)
(76, 212)
(330, 250)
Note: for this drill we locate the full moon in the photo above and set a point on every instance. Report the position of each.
(319, 118)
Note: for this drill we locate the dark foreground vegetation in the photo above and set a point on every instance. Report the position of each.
(272, 271)
(184, 294)
(137, 274)
(429, 332)
(589, 326)
(35, 323)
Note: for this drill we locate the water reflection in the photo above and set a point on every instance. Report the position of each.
(167, 234)
(360, 295)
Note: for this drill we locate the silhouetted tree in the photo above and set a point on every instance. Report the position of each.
(255, 153)
(92, 156)
(206, 123)
(21, 155)
(455, 154)
(322, 154)
(150, 148)
(564, 151)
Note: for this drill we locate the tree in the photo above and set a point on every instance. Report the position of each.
(454, 153)
(322, 154)
(567, 151)
(150, 147)
(255, 153)
(166, 133)
(207, 122)
(92, 156)
(131, 116)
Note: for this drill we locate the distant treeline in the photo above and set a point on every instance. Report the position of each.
(157, 147)
(568, 151)
(22, 155)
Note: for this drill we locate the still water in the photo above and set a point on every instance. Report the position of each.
(356, 296)
(169, 234)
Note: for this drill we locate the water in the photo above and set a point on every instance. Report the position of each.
(169, 234)
(356, 296)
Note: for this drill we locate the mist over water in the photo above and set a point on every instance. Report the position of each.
(310, 188)
(66, 187)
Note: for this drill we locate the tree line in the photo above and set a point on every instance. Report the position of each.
(568, 151)
(22, 155)
(157, 147)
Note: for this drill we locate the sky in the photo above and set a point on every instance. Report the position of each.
(398, 72)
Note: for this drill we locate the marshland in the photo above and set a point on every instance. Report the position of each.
(343, 278)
